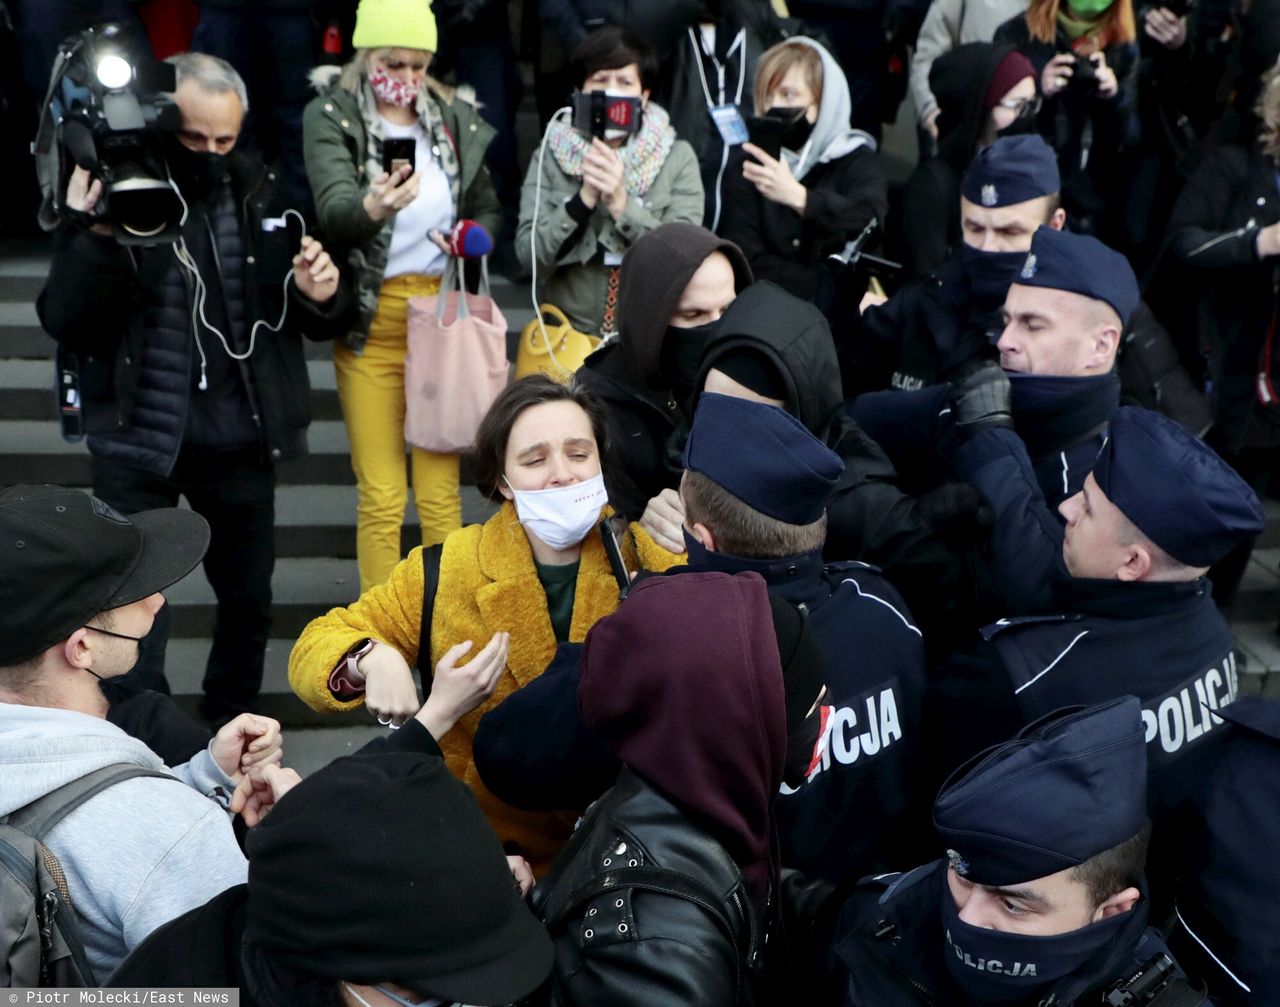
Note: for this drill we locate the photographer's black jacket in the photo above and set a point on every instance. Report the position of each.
(127, 314)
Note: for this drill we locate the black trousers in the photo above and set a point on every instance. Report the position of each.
(235, 492)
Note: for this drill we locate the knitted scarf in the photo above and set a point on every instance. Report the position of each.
(642, 157)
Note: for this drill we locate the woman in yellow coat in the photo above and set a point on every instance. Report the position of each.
(532, 576)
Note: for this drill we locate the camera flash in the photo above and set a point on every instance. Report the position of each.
(114, 71)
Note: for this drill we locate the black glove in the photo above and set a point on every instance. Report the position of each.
(953, 506)
(980, 400)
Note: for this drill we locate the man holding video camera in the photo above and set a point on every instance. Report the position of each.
(192, 374)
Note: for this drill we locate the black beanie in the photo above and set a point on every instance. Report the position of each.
(381, 868)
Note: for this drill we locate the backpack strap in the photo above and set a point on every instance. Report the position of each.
(662, 881)
(430, 586)
(38, 818)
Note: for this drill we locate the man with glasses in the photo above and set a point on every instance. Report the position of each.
(79, 588)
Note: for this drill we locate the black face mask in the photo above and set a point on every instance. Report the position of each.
(993, 967)
(990, 273)
(798, 129)
(1023, 125)
(681, 359)
(196, 172)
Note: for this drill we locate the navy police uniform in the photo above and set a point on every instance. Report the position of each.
(1061, 791)
(934, 326)
(1164, 642)
(855, 810)
(1225, 926)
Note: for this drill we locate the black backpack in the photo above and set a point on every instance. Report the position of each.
(39, 940)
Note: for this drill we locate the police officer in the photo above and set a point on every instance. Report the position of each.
(755, 490)
(937, 324)
(1224, 930)
(1041, 897)
(1047, 407)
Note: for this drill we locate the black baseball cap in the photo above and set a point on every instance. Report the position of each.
(65, 556)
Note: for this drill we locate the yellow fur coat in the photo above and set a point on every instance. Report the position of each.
(488, 584)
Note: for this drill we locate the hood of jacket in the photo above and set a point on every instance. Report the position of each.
(796, 336)
(654, 274)
(678, 648)
(959, 80)
(832, 137)
(42, 749)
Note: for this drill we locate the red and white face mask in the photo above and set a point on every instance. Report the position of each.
(392, 90)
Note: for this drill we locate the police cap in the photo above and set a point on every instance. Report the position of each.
(764, 456)
(1082, 265)
(1177, 491)
(1064, 789)
(1014, 169)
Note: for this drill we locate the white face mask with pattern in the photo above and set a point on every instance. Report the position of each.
(561, 516)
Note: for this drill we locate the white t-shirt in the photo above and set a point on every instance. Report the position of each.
(411, 250)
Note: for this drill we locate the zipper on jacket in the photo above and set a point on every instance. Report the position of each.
(241, 365)
(1239, 232)
(884, 929)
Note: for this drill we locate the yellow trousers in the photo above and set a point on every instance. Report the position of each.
(371, 391)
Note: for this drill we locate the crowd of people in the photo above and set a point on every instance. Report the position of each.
(850, 624)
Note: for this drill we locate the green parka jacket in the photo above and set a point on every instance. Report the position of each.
(337, 147)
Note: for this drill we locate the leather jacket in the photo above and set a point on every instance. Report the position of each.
(623, 931)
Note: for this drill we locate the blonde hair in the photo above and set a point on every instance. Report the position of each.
(1115, 26)
(777, 62)
(1268, 112)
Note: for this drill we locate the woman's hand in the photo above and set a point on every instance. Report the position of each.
(1166, 27)
(773, 179)
(257, 792)
(522, 872)
(602, 171)
(389, 194)
(1057, 74)
(1108, 85)
(663, 519)
(389, 691)
(456, 691)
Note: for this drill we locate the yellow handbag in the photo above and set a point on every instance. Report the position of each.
(550, 345)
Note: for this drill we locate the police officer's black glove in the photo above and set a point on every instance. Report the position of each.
(980, 400)
(954, 507)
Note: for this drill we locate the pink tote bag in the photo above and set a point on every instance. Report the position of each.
(456, 363)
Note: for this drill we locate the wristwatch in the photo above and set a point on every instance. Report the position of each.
(347, 680)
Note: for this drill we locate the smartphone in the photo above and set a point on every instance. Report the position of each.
(609, 536)
(397, 151)
(766, 132)
(594, 112)
(294, 232)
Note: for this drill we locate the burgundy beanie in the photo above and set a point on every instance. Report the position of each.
(1013, 68)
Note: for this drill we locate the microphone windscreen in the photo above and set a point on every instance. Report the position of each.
(469, 240)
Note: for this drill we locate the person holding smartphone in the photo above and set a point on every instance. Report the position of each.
(601, 180)
(809, 183)
(395, 159)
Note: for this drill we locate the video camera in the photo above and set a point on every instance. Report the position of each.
(107, 109)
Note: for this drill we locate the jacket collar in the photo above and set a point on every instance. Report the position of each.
(797, 580)
(513, 598)
(1113, 599)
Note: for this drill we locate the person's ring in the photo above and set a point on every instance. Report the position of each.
(394, 726)
(1061, 81)
(384, 721)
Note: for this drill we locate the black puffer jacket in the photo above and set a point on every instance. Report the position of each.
(119, 310)
(633, 945)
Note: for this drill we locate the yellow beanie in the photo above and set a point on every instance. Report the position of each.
(397, 24)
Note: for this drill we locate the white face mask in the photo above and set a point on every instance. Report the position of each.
(563, 515)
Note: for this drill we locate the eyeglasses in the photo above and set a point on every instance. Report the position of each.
(1021, 106)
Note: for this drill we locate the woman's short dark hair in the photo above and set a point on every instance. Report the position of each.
(612, 48)
(495, 429)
